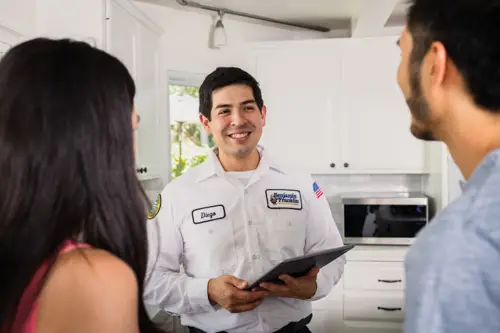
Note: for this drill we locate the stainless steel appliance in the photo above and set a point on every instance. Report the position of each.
(391, 220)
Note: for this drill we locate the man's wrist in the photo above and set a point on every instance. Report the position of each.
(209, 296)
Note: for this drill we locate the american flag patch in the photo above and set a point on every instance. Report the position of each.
(317, 190)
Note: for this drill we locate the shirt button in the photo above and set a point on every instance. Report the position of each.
(256, 256)
(249, 222)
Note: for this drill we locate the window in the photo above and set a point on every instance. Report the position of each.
(190, 143)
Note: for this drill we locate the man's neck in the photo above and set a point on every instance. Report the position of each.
(232, 163)
(471, 139)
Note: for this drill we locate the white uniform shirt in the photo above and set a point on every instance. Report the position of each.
(212, 224)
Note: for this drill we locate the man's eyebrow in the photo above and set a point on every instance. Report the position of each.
(250, 101)
(223, 106)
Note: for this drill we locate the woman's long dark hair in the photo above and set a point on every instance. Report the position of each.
(67, 166)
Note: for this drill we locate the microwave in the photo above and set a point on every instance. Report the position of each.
(388, 220)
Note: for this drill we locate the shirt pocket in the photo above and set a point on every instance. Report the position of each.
(209, 248)
(288, 229)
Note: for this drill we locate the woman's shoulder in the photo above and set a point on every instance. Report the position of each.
(91, 290)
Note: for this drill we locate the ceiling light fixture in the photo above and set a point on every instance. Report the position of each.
(219, 33)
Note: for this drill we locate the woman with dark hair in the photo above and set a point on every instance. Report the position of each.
(73, 245)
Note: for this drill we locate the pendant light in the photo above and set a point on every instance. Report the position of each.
(219, 33)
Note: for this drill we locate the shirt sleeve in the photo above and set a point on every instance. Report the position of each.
(166, 287)
(322, 234)
(462, 295)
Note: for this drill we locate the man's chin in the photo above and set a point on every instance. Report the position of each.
(422, 133)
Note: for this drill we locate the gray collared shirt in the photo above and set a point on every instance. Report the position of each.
(453, 268)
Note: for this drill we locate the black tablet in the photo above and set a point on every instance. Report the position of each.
(300, 266)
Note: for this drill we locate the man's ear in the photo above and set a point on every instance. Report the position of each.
(264, 115)
(206, 123)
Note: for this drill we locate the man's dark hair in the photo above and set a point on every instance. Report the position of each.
(223, 77)
(470, 32)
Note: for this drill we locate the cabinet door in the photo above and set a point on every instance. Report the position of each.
(300, 86)
(375, 118)
(148, 105)
(137, 47)
(122, 35)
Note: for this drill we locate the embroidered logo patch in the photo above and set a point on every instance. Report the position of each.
(207, 214)
(283, 199)
(156, 208)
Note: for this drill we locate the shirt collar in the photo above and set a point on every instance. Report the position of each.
(212, 167)
(483, 171)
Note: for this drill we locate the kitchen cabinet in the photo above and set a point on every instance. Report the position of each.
(300, 88)
(373, 289)
(369, 297)
(337, 106)
(137, 46)
(120, 28)
(375, 116)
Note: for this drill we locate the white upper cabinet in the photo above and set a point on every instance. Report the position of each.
(121, 29)
(376, 120)
(300, 89)
(334, 106)
(137, 45)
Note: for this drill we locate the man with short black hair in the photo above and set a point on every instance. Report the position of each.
(450, 76)
(233, 218)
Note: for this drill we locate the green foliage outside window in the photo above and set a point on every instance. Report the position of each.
(188, 149)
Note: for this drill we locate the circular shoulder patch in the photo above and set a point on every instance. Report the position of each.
(156, 208)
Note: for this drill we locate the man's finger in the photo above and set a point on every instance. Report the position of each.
(289, 281)
(277, 288)
(244, 307)
(313, 272)
(244, 297)
(238, 283)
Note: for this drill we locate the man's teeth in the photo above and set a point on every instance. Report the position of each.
(239, 135)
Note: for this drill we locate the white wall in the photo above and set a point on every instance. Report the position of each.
(18, 15)
(186, 39)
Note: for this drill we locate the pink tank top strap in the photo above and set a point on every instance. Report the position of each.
(27, 305)
(71, 245)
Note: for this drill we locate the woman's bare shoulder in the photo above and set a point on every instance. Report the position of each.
(89, 290)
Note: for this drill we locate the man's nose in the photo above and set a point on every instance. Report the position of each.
(237, 119)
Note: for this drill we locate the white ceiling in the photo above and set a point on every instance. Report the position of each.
(361, 16)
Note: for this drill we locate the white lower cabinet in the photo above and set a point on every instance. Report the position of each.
(373, 306)
(373, 296)
(370, 296)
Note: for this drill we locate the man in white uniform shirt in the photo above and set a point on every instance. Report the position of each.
(234, 217)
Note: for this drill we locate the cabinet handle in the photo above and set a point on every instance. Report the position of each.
(346, 165)
(389, 281)
(146, 170)
(388, 309)
(332, 165)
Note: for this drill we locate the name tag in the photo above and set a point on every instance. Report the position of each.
(207, 214)
(284, 199)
